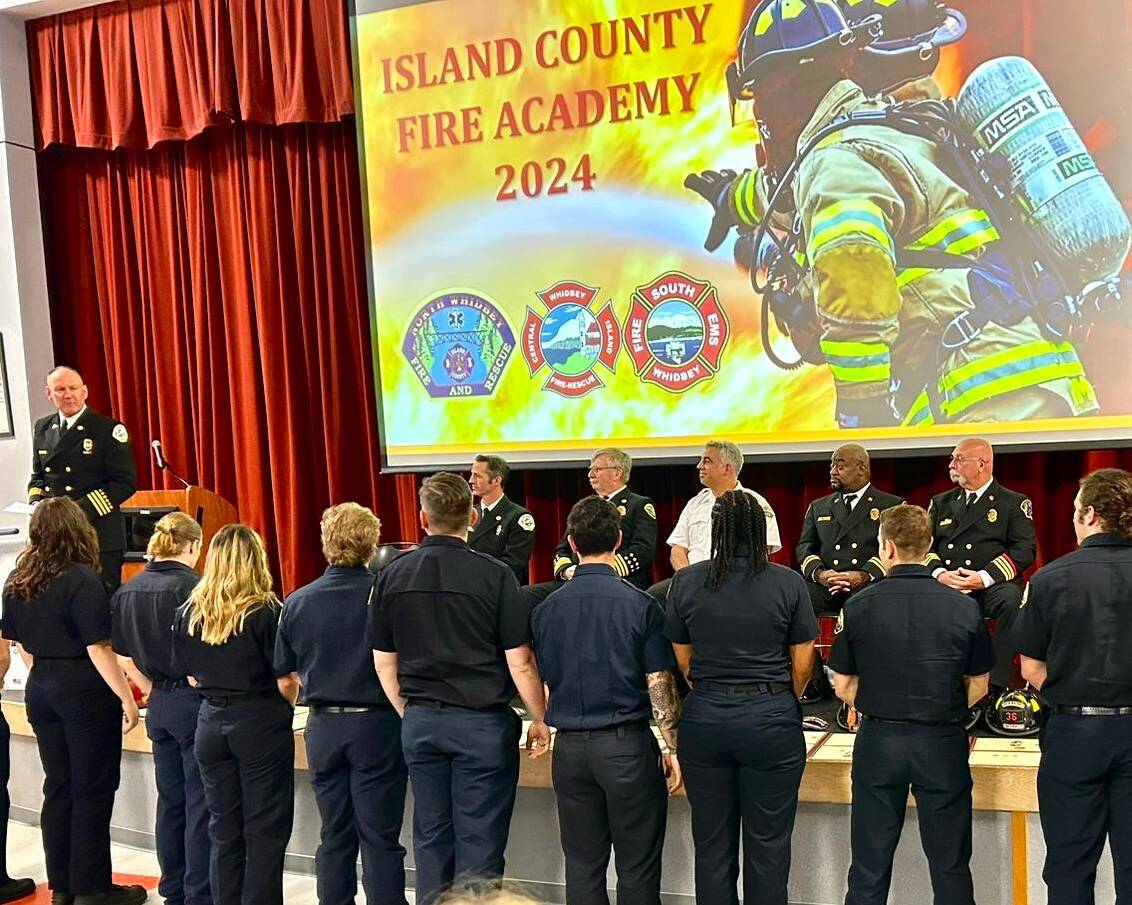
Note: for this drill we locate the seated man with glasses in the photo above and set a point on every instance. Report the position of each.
(609, 478)
(983, 542)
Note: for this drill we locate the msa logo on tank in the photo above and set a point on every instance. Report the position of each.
(571, 338)
(676, 331)
(458, 344)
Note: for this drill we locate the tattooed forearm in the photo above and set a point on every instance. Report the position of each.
(665, 704)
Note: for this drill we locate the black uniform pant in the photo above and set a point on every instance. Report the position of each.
(610, 791)
(358, 775)
(464, 767)
(888, 759)
(535, 594)
(5, 801)
(825, 603)
(181, 831)
(246, 752)
(78, 729)
(659, 591)
(1084, 795)
(110, 562)
(1000, 602)
(742, 757)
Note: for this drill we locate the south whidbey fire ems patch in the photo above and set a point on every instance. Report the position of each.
(570, 338)
(676, 331)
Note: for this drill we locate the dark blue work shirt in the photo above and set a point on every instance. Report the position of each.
(142, 613)
(450, 614)
(322, 637)
(1077, 617)
(596, 638)
(910, 641)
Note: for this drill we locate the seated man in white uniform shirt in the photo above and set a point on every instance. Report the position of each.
(690, 540)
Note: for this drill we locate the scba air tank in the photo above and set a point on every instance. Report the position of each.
(1070, 208)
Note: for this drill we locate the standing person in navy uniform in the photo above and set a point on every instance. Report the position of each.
(743, 632)
(353, 736)
(86, 456)
(609, 477)
(78, 700)
(983, 542)
(224, 640)
(601, 650)
(451, 639)
(912, 656)
(143, 611)
(837, 551)
(1072, 631)
(10, 889)
(504, 529)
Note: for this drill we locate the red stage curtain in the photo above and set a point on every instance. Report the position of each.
(134, 73)
(213, 290)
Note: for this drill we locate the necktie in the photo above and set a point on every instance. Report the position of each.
(971, 497)
(62, 428)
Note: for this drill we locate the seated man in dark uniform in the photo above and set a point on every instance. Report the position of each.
(1073, 629)
(983, 542)
(912, 656)
(504, 529)
(837, 551)
(609, 478)
(608, 776)
(86, 456)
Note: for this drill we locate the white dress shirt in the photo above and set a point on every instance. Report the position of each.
(693, 528)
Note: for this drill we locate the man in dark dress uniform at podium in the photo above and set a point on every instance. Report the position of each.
(86, 456)
(504, 529)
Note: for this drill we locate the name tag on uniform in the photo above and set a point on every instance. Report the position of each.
(944, 522)
(825, 518)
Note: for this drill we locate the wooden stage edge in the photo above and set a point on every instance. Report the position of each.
(1004, 771)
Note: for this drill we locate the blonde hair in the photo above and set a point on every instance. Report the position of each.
(350, 534)
(236, 582)
(484, 893)
(172, 533)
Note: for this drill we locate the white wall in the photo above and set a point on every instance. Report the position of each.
(24, 315)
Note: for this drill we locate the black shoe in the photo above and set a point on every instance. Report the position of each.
(14, 890)
(818, 688)
(115, 895)
(62, 898)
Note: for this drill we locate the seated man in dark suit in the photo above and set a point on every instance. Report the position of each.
(837, 551)
(609, 478)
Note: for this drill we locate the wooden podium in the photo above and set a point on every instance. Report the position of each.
(211, 511)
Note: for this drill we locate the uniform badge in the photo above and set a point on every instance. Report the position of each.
(120, 433)
(621, 511)
(825, 518)
(944, 522)
(1028, 509)
(676, 331)
(527, 522)
(458, 345)
(88, 446)
(650, 510)
(992, 515)
(571, 338)
(498, 530)
(874, 514)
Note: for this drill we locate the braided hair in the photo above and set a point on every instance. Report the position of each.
(738, 529)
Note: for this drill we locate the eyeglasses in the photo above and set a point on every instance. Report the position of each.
(959, 460)
(594, 468)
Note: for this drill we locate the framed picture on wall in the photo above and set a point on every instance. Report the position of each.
(6, 429)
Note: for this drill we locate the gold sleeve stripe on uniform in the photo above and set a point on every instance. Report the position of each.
(562, 562)
(1005, 565)
(94, 501)
(811, 560)
(620, 566)
(932, 559)
(35, 492)
(875, 561)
